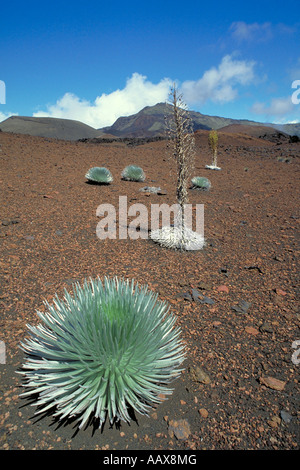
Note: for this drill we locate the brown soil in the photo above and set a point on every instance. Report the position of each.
(48, 240)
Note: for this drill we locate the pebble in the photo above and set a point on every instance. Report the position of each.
(272, 382)
(286, 417)
(180, 429)
(199, 375)
(251, 330)
(206, 300)
(203, 412)
(280, 292)
(266, 328)
(223, 289)
(242, 307)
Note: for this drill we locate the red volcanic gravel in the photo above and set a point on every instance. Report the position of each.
(236, 300)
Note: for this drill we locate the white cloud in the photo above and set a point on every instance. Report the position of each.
(278, 108)
(138, 93)
(219, 84)
(249, 32)
(4, 116)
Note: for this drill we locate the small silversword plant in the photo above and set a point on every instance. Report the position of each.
(201, 183)
(107, 347)
(133, 173)
(99, 175)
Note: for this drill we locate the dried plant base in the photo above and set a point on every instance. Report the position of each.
(212, 167)
(172, 237)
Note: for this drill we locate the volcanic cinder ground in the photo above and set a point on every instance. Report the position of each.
(235, 301)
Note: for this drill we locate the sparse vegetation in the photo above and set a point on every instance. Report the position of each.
(99, 175)
(133, 173)
(201, 183)
(108, 347)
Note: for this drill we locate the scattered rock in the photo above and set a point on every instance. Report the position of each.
(150, 189)
(206, 300)
(195, 295)
(251, 330)
(10, 222)
(280, 292)
(180, 429)
(274, 422)
(223, 289)
(185, 296)
(203, 412)
(204, 286)
(199, 375)
(266, 328)
(242, 307)
(285, 416)
(272, 383)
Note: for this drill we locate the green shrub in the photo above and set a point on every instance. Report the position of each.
(104, 349)
(201, 183)
(133, 173)
(99, 175)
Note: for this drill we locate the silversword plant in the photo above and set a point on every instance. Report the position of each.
(201, 183)
(99, 175)
(133, 173)
(107, 347)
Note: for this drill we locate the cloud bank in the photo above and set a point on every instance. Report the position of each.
(138, 93)
(277, 108)
(218, 84)
(251, 32)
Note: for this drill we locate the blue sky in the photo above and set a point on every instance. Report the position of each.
(94, 61)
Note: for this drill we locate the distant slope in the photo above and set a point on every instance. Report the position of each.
(147, 123)
(150, 122)
(65, 129)
(258, 131)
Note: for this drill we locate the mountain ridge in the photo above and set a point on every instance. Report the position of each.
(149, 122)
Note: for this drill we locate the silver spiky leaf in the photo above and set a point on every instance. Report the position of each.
(101, 350)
